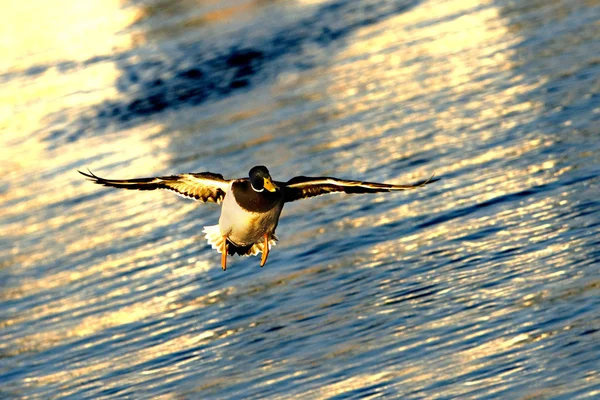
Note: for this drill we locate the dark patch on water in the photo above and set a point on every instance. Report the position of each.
(192, 73)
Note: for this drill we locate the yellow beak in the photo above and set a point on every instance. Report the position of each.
(270, 186)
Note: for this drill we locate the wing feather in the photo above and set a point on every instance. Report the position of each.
(303, 187)
(204, 186)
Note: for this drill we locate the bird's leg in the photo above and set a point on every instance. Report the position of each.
(224, 254)
(265, 252)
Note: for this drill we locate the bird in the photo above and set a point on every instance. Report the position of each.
(250, 207)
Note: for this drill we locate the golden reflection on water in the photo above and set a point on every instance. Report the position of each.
(55, 188)
(43, 34)
(461, 49)
(26, 106)
(110, 269)
(461, 52)
(213, 12)
(558, 258)
(40, 32)
(465, 47)
(466, 52)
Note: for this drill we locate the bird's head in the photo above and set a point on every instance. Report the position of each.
(260, 179)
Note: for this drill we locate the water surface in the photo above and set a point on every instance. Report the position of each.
(485, 284)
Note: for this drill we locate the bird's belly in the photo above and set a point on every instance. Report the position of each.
(244, 228)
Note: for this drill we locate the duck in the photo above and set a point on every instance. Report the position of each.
(250, 207)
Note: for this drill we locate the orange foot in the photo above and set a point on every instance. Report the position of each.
(224, 254)
(265, 253)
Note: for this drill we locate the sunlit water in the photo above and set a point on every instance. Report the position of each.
(485, 284)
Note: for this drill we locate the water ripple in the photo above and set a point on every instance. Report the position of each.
(482, 285)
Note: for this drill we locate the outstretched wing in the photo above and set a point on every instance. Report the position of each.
(303, 187)
(204, 186)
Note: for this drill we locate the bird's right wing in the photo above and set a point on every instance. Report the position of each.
(204, 186)
(303, 187)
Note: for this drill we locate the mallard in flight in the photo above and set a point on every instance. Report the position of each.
(251, 206)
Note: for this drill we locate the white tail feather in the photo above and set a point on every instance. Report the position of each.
(215, 239)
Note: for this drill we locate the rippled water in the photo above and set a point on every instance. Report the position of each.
(485, 284)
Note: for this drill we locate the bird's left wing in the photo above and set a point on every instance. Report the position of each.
(303, 187)
(204, 186)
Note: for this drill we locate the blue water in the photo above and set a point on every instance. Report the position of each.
(485, 284)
